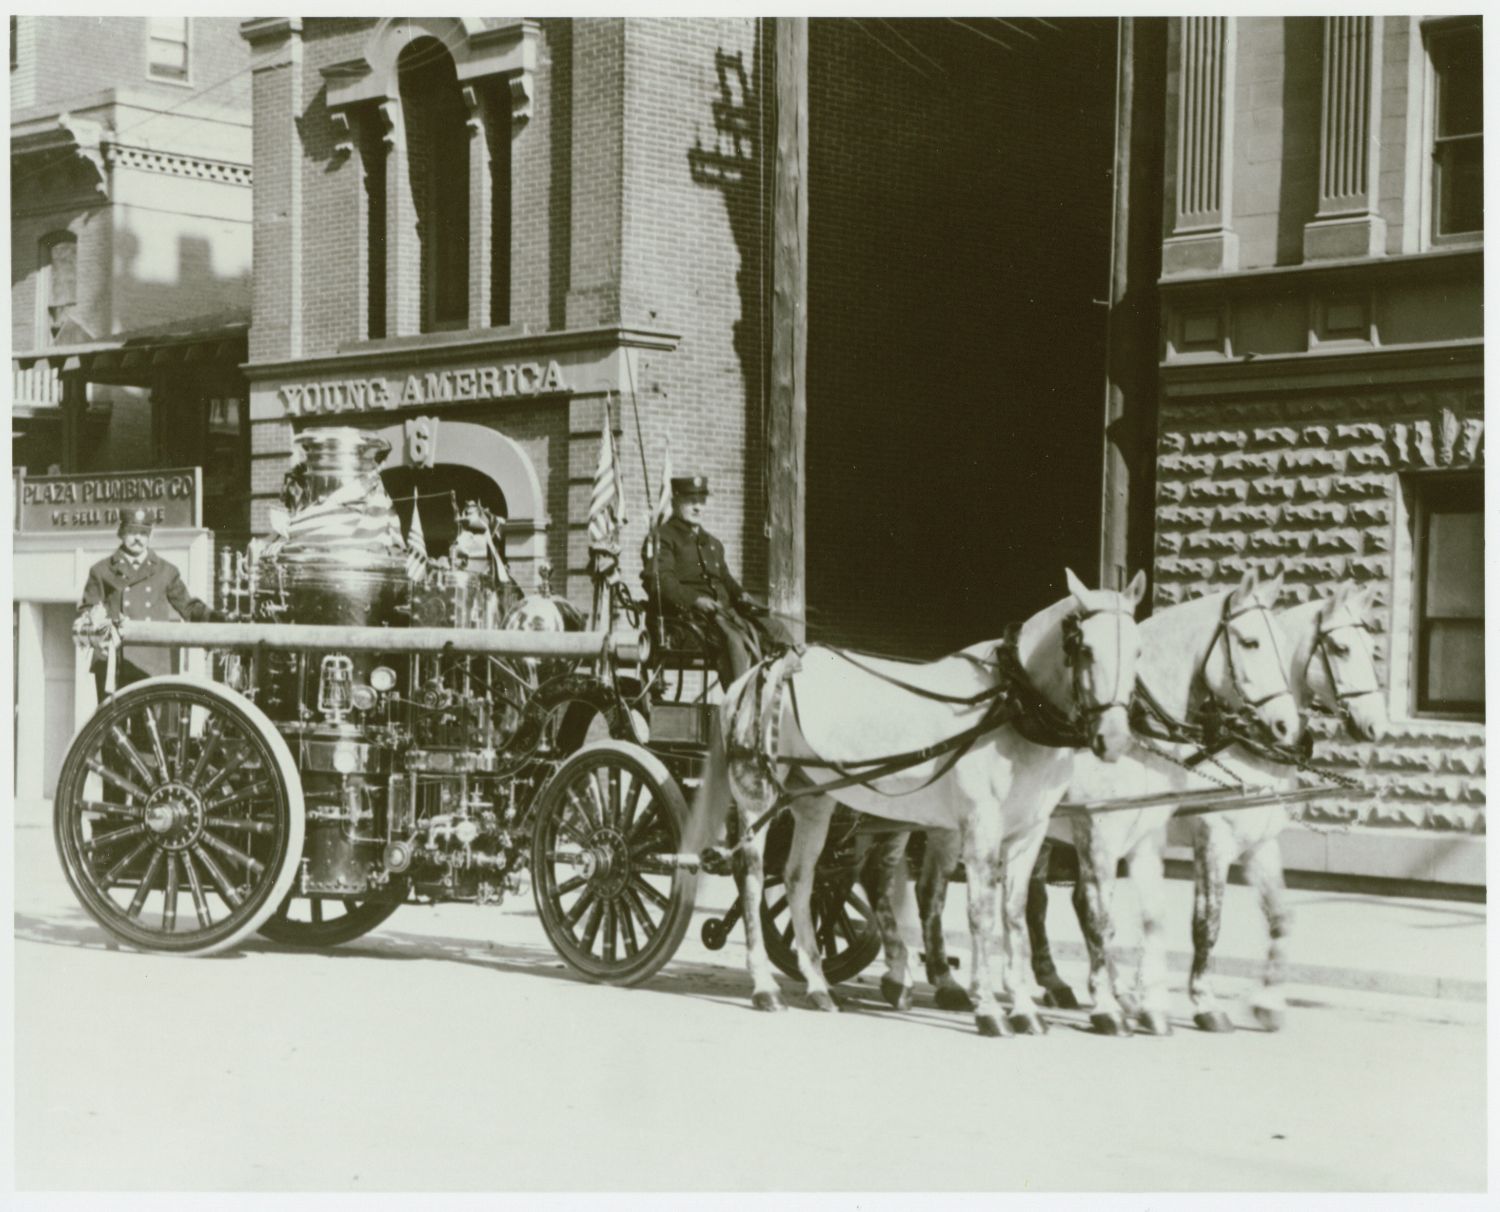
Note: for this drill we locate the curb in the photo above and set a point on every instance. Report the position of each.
(1363, 980)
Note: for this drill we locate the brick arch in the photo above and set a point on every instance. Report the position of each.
(504, 461)
(392, 35)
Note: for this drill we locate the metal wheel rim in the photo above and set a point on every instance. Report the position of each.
(196, 839)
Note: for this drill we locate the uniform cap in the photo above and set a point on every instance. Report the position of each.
(690, 486)
(136, 519)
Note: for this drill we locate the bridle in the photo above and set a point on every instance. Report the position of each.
(1319, 650)
(1236, 677)
(1086, 708)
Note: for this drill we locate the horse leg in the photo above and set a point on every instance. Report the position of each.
(812, 816)
(882, 879)
(1263, 870)
(1151, 979)
(981, 850)
(1211, 856)
(752, 882)
(1092, 897)
(1018, 864)
(938, 865)
(1055, 990)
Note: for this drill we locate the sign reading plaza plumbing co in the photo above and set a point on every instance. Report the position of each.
(170, 498)
(416, 390)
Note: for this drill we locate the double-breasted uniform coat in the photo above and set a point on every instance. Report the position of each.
(150, 591)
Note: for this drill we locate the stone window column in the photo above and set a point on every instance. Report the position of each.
(403, 249)
(1203, 238)
(1348, 223)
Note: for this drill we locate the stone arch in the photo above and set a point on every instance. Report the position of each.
(504, 461)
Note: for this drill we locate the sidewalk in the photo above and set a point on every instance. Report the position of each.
(1375, 944)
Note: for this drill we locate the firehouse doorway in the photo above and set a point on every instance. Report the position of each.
(439, 493)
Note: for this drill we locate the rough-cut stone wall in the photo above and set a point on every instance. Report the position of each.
(1312, 487)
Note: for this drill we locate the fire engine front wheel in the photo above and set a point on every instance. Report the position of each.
(606, 823)
(179, 816)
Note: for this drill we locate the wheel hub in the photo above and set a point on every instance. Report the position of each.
(606, 863)
(174, 814)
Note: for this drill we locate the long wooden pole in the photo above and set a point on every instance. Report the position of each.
(786, 431)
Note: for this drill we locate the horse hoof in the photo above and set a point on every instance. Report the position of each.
(1155, 1022)
(953, 997)
(1213, 1020)
(1271, 1018)
(992, 1027)
(768, 1001)
(825, 1002)
(896, 993)
(1028, 1024)
(1109, 1024)
(1060, 997)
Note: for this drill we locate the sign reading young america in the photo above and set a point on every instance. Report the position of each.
(413, 390)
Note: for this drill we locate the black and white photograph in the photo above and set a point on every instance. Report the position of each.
(719, 606)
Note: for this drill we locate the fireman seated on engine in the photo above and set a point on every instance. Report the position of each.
(688, 578)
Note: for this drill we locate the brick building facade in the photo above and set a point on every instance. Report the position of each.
(1321, 399)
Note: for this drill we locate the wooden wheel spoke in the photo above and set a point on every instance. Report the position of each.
(119, 780)
(137, 762)
(781, 905)
(249, 862)
(641, 791)
(209, 746)
(638, 908)
(184, 735)
(138, 901)
(169, 905)
(315, 909)
(240, 822)
(248, 792)
(200, 901)
(851, 932)
(231, 764)
(109, 839)
(651, 894)
(591, 822)
(216, 873)
(581, 904)
(591, 926)
(133, 811)
(609, 932)
(627, 931)
(571, 885)
(153, 730)
(614, 805)
(107, 880)
(571, 831)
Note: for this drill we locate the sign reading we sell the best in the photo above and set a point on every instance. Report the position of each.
(171, 498)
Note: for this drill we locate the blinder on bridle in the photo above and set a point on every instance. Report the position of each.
(1074, 652)
(1236, 678)
(1320, 648)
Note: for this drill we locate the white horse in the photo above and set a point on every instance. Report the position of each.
(1333, 671)
(1070, 667)
(1218, 654)
(1329, 668)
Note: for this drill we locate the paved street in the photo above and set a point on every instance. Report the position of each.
(452, 1051)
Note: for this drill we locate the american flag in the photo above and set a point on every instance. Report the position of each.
(354, 515)
(663, 509)
(416, 544)
(607, 502)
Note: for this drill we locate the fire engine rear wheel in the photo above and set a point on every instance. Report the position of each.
(614, 907)
(327, 921)
(179, 816)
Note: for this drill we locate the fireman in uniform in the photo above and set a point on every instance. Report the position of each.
(689, 577)
(135, 583)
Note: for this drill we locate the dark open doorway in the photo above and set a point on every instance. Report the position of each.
(440, 491)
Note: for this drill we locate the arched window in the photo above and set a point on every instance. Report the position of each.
(57, 284)
(437, 141)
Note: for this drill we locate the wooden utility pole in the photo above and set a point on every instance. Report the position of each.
(786, 437)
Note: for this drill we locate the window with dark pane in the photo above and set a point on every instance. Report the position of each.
(1458, 130)
(168, 48)
(1450, 595)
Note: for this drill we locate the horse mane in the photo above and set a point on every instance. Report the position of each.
(1173, 645)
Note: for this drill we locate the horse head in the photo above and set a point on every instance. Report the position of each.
(1100, 644)
(1332, 662)
(1246, 664)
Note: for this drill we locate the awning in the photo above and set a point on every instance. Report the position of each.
(133, 359)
